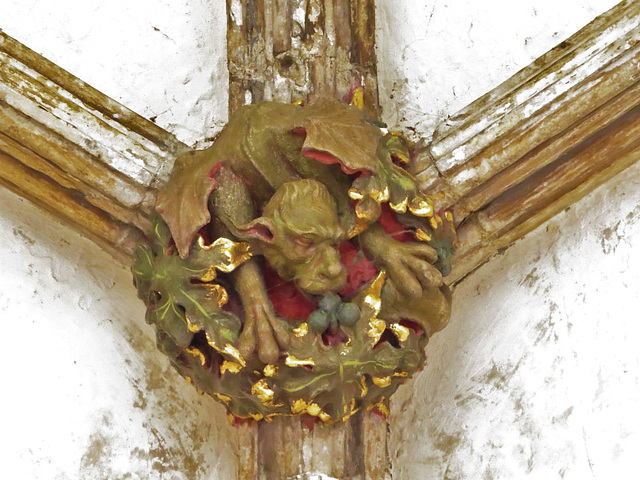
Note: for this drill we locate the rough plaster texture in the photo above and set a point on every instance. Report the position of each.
(538, 374)
(164, 59)
(437, 56)
(86, 395)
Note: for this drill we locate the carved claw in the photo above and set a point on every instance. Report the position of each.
(263, 331)
(410, 267)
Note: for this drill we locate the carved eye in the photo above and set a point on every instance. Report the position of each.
(303, 241)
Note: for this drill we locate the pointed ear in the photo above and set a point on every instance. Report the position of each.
(261, 229)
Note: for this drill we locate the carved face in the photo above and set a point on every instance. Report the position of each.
(299, 233)
(310, 260)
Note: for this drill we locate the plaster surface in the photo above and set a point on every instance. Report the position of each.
(164, 59)
(437, 56)
(537, 376)
(86, 393)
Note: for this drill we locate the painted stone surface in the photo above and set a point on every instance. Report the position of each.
(294, 267)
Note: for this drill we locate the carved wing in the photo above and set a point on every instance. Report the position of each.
(335, 129)
(182, 202)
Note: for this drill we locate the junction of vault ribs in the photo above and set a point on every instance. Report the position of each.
(350, 229)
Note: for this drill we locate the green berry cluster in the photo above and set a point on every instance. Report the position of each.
(333, 311)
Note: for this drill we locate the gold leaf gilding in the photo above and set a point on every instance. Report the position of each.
(234, 353)
(314, 409)
(192, 327)
(349, 410)
(231, 367)
(298, 406)
(403, 158)
(363, 219)
(292, 361)
(233, 253)
(210, 341)
(355, 194)
(422, 235)
(197, 353)
(421, 207)
(382, 407)
(301, 330)
(376, 329)
(218, 292)
(380, 196)
(357, 98)
(435, 221)
(400, 207)
(261, 390)
(222, 397)
(381, 382)
(324, 417)
(270, 370)
(374, 302)
(372, 298)
(400, 331)
(363, 386)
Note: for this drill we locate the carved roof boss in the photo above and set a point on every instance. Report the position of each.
(294, 268)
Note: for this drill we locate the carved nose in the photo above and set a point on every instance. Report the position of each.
(334, 269)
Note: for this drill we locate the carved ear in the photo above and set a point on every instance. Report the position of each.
(261, 229)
